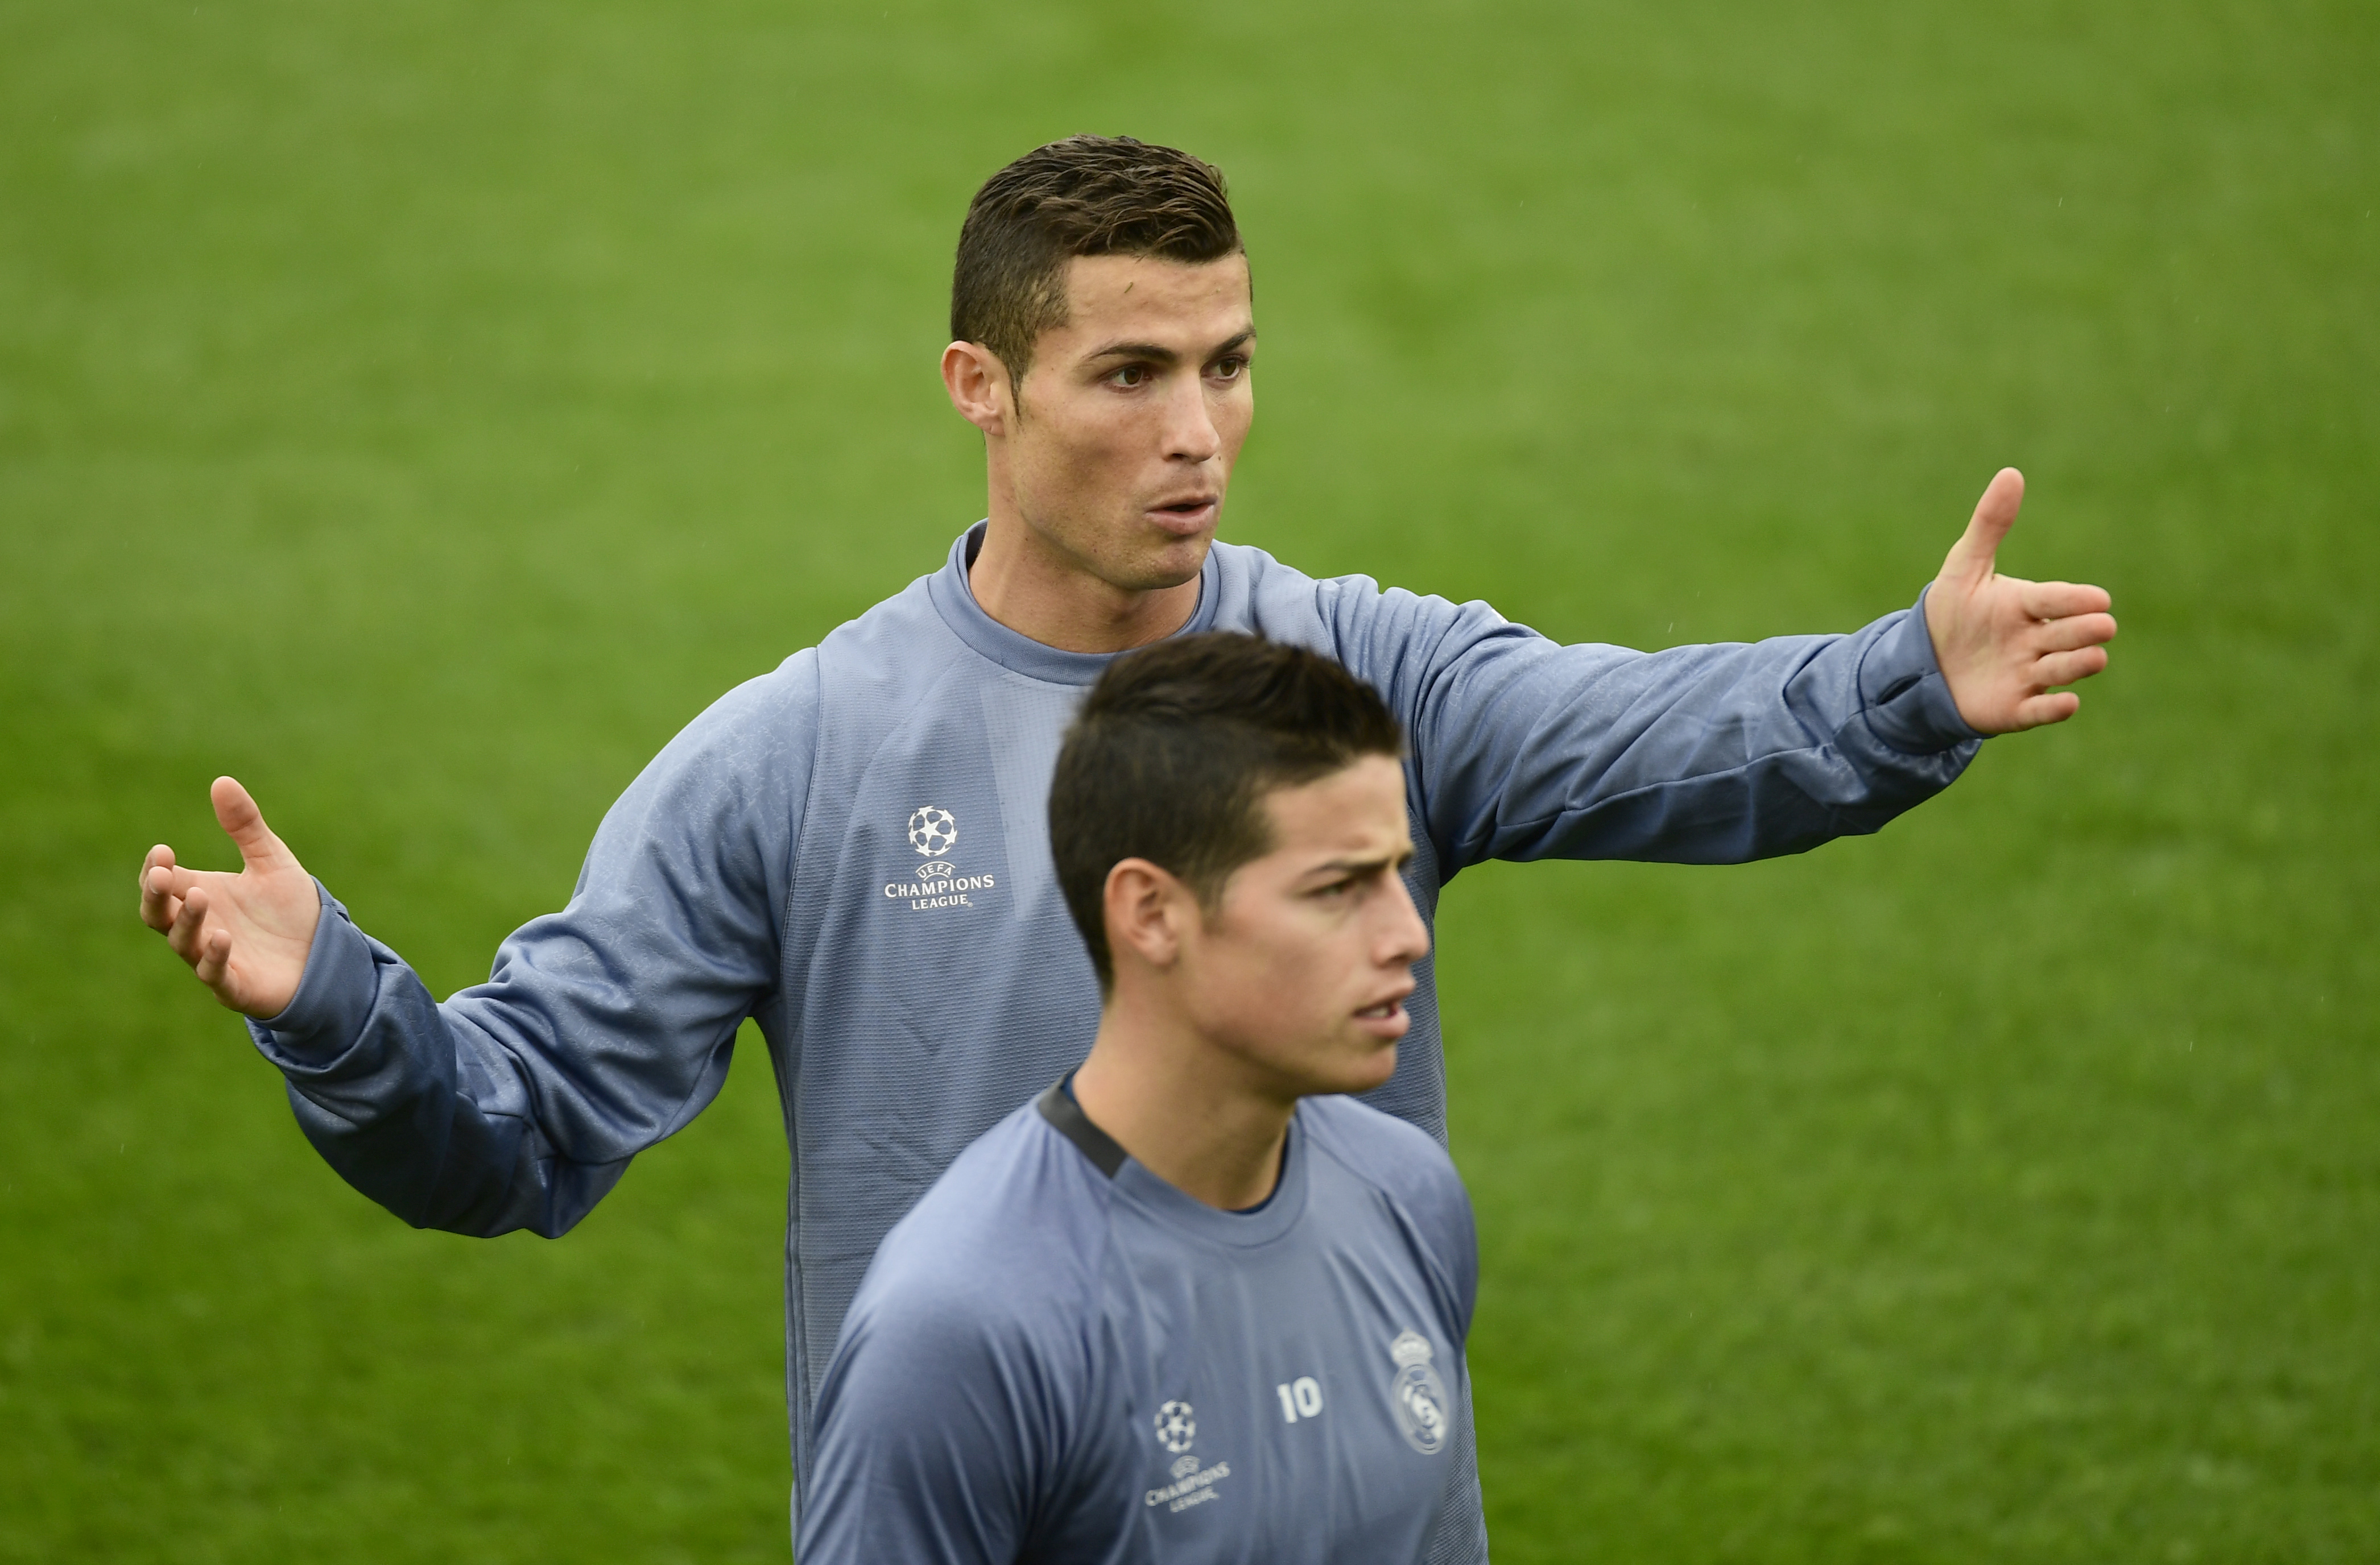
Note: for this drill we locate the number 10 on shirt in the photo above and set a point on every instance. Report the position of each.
(1301, 1397)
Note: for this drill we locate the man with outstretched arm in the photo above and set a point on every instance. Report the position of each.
(850, 850)
(1189, 1304)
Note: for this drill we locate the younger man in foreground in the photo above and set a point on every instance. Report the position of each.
(1190, 1304)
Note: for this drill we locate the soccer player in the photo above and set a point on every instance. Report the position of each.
(1185, 1305)
(851, 849)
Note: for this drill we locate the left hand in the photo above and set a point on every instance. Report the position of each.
(2006, 643)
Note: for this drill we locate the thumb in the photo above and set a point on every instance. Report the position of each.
(244, 823)
(1970, 560)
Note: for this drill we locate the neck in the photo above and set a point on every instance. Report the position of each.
(1035, 590)
(1189, 1114)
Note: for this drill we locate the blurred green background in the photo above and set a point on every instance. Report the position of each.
(421, 410)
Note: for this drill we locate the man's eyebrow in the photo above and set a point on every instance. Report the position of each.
(1158, 354)
(1150, 351)
(1358, 866)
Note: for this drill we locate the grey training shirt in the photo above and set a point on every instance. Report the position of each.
(852, 851)
(1059, 1357)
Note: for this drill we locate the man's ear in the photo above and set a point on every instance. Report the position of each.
(1148, 912)
(979, 385)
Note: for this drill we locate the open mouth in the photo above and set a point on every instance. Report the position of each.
(1189, 512)
(1383, 1012)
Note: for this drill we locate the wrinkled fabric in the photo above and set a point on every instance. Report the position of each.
(852, 851)
(1051, 1363)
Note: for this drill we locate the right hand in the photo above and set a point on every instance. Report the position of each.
(247, 935)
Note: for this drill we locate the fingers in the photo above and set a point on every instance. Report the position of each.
(2081, 630)
(214, 961)
(2055, 707)
(2058, 599)
(189, 923)
(207, 950)
(244, 823)
(157, 902)
(2065, 668)
(166, 886)
(1970, 560)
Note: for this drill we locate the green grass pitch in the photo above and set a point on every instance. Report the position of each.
(421, 410)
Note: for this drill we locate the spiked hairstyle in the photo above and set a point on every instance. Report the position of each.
(1087, 195)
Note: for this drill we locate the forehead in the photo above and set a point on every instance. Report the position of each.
(1150, 299)
(1358, 811)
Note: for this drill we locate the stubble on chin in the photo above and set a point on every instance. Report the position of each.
(1158, 579)
(1168, 564)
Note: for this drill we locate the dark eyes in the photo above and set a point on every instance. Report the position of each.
(1132, 376)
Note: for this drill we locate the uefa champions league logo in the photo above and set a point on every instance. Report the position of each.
(1175, 1426)
(1191, 1484)
(936, 883)
(934, 831)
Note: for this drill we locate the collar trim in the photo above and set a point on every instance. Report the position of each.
(1066, 1116)
(955, 601)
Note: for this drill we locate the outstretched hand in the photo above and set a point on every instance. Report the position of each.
(247, 935)
(2006, 645)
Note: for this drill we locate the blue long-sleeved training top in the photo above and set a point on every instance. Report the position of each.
(1059, 1357)
(853, 850)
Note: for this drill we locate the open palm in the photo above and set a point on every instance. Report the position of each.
(246, 936)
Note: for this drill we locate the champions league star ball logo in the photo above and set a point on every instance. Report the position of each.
(934, 831)
(1192, 1483)
(935, 884)
(1175, 1427)
(1417, 1395)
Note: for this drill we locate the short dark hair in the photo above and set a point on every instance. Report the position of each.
(1175, 748)
(1087, 195)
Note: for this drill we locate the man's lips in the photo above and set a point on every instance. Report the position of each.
(1386, 1018)
(1186, 514)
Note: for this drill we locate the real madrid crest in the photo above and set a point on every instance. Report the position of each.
(1417, 1395)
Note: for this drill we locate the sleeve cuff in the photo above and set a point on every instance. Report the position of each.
(1908, 702)
(326, 1016)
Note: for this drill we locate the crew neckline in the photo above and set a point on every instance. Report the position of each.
(953, 599)
(1259, 1224)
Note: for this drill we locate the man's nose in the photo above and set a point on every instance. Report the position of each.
(1190, 432)
(1405, 939)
